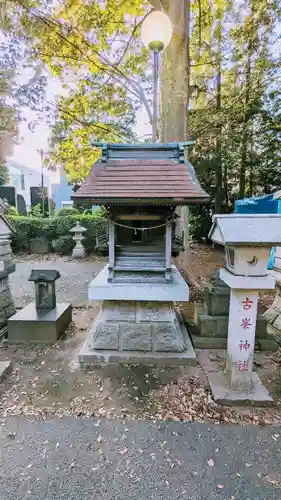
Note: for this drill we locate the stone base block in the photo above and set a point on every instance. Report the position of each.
(200, 342)
(78, 253)
(7, 306)
(137, 332)
(32, 325)
(213, 326)
(268, 344)
(93, 357)
(222, 394)
(217, 302)
(137, 326)
(5, 369)
(217, 326)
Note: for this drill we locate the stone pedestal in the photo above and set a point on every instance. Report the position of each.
(238, 383)
(138, 331)
(211, 320)
(273, 315)
(7, 306)
(34, 325)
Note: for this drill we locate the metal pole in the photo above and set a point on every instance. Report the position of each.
(42, 181)
(155, 95)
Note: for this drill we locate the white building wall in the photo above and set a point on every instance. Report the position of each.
(23, 178)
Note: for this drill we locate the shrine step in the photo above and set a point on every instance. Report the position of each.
(139, 268)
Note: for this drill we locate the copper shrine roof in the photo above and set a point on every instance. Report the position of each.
(143, 173)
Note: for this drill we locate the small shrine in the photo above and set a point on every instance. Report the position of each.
(247, 240)
(45, 291)
(140, 186)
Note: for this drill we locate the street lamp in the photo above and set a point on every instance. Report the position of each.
(156, 34)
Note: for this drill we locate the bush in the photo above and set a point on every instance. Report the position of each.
(12, 210)
(65, 212)
(55, 228)
(63, 245)
(200, 222)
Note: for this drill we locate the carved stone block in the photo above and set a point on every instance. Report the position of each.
(135, 337)
(167, 338)
(105, 336)
(119, 310)
(154, 311)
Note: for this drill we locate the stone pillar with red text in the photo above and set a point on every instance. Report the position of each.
(241, 339)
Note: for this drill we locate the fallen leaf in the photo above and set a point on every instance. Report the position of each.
(122, 452)
(271, 480)
(211, 462)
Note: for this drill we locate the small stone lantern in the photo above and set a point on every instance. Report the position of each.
(247, 240)
(78, 231)
(45, 291)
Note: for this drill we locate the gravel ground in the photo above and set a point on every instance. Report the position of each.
(83, 459)
(71, 287)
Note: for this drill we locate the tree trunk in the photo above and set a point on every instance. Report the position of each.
(225, 185)
(251, 172)
(175, 74)
(245, 134)
(218, 195)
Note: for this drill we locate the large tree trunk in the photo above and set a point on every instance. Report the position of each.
(175, 72)
(218, 195)
(245, 132)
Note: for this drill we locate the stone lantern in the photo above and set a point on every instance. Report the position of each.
(247, 240)
(45, 292)
(78, 231)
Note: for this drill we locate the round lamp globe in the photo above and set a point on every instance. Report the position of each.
(156, 31)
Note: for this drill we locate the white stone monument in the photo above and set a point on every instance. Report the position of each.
(247, 240)
(78, 231)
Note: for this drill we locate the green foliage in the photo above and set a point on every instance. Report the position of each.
(235, 104)
(12, 211)
(56, 228)
(99, 47)
(65, 212)
(36, 211)
(63, 245)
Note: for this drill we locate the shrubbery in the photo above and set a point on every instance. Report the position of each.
(66, 212)
(56, 230)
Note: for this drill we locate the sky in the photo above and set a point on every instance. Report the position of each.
(26, 153)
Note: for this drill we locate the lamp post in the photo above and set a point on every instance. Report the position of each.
(156, 34)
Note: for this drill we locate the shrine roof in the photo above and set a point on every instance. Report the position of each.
(246, 229)
(153, 174)
(44, 275)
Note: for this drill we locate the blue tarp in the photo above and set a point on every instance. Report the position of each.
(257, 205)
(260, 205)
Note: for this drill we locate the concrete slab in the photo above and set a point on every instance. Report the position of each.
(32, 325)
(247, 282)
(222, 394)
(175, 291)
(5, 369)
(92, 357)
